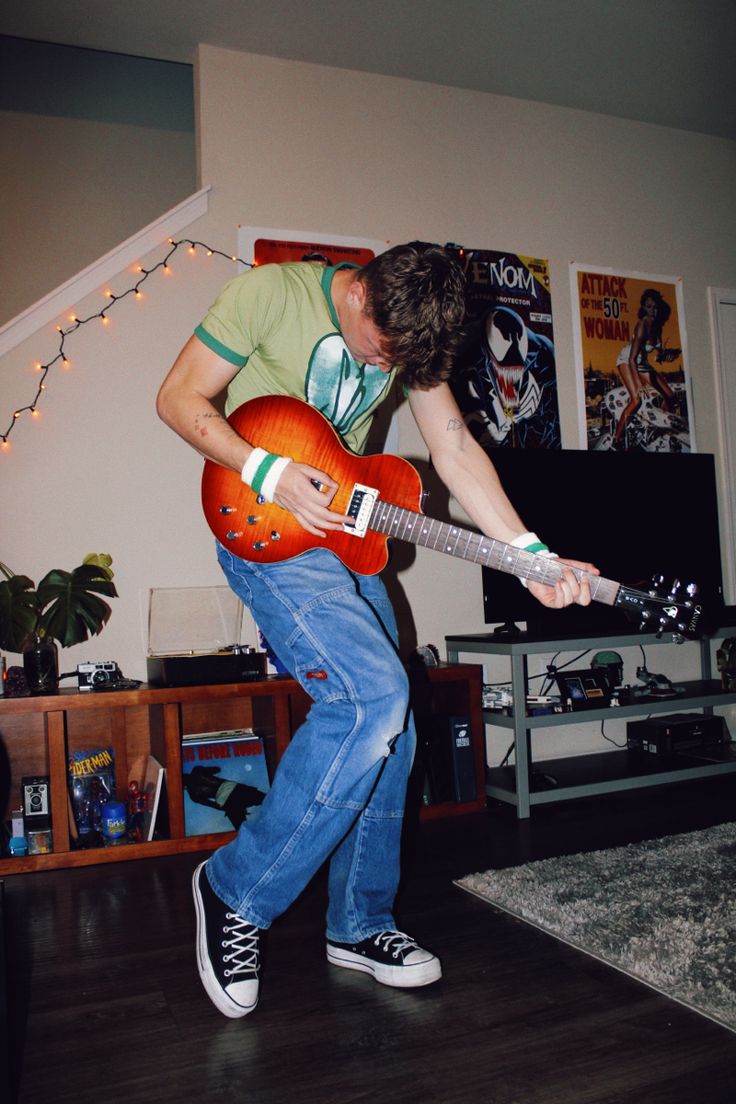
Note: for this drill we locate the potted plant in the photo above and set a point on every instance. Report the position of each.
(64, 607)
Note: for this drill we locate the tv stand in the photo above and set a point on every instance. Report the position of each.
(604, 772)
(508, 629)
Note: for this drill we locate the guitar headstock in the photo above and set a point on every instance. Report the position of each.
(662, 609)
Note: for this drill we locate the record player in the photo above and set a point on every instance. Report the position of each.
(194, 638)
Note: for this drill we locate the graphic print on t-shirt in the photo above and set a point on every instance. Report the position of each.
(338, 386)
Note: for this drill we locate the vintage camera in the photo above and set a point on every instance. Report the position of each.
(35, 796)
(95, 676)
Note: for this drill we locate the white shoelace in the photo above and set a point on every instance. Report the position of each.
(244, 944)
(395, 942)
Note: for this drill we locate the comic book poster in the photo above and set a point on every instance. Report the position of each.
(225, 780)
(505, 381)
(630, 348)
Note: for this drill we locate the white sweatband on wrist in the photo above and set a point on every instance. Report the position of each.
(530, 542)
(268, 486)
(252, 464)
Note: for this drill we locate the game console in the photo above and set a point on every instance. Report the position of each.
(677, 733)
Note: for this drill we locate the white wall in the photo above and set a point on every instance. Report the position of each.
(71, 189)
(289, 144)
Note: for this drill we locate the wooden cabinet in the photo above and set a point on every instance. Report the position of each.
(37, 733)
(439, 694)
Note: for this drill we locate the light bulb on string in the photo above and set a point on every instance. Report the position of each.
(76, 323)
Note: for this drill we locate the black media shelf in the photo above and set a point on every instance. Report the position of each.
(563, 779)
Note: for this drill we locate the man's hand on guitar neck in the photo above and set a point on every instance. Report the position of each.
(568, 589)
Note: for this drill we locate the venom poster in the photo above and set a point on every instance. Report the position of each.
(505, 381)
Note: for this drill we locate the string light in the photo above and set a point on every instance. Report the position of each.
(76, 323)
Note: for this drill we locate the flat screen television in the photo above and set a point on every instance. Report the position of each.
(633, 514)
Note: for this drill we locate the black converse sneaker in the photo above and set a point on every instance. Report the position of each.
(391, 956)
(227, 951)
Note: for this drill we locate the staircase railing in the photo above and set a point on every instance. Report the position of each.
(102, 270)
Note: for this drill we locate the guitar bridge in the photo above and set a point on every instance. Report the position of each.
(362, 501)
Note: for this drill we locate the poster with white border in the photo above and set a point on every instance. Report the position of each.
(631, 359)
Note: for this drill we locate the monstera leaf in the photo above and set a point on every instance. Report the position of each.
(65, 606)
(72, 612)
(18, 611)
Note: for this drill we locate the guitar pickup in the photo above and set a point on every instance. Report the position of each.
(362, 501)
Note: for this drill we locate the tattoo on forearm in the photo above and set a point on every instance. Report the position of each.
(200, 418)
(454, 424)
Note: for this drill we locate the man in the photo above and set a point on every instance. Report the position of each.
(335, 337)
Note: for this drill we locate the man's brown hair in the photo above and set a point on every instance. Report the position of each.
(414, 294)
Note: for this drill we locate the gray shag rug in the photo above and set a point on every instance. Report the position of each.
(661, 911)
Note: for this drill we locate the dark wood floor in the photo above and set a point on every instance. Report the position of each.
(106, 1005)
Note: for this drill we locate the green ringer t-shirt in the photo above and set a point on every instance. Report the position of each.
(278, 325)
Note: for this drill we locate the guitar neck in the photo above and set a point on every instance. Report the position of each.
(453, 540)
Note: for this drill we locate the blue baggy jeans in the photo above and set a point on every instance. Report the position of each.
(340, 787)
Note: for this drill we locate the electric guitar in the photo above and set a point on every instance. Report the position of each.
(382, 495)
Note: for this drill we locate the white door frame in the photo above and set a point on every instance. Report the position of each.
(722, 301)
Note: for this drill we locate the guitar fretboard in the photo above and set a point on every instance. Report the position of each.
(453, 540)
